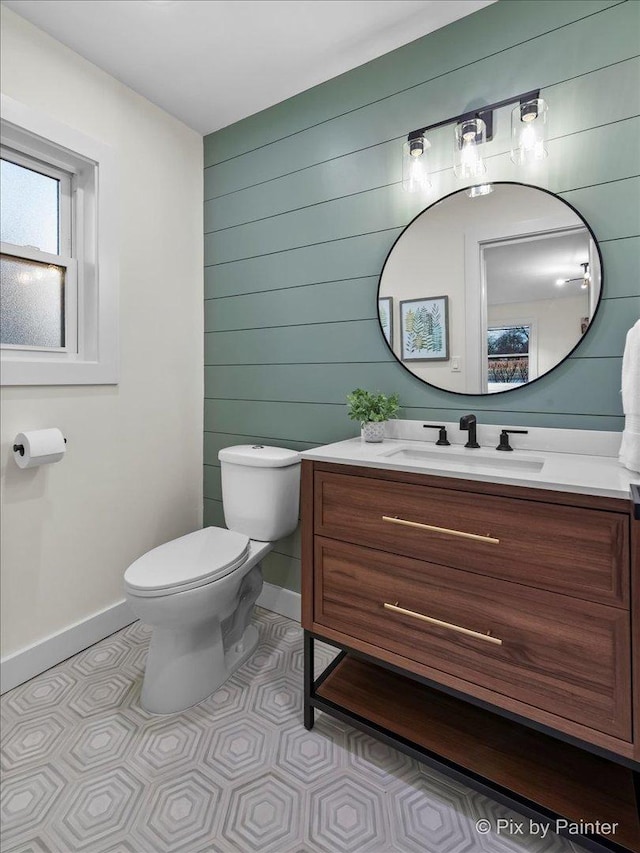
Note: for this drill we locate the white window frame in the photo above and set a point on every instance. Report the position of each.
(532, 355)
(90, 354)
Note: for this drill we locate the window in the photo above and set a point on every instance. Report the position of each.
(57, 270)
(508, 349)
(38, 273)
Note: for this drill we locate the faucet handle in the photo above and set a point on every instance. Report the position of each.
(442, 441)
(504, 437)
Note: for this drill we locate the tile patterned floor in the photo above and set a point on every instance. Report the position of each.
(86, 770)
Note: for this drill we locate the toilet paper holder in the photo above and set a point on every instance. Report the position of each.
(19, 448)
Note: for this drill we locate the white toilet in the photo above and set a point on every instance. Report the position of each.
(198, 592)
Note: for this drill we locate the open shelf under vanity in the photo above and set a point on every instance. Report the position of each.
(543, 778)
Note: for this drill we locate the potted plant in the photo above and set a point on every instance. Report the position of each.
(372, 410)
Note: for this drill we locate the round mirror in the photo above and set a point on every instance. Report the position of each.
(485, 293)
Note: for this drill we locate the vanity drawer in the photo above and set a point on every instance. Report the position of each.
(559, 654)
(572, 550)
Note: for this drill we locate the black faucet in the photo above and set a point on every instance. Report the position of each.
(469, 422)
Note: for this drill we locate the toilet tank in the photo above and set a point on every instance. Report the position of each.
(260, 490)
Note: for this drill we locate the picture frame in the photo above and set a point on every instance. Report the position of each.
(385, 316)
(424, 329)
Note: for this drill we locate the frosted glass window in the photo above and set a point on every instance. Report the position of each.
(32, 303)
(29, 209)
(58, 252)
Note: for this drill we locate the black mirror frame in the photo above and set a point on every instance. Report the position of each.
(518, 388)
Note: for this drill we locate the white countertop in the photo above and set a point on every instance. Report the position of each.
(582, 473)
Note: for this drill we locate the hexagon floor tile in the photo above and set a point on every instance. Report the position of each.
(87, 770)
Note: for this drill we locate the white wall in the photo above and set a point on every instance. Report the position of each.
(132, 476)
(557, 323)
(429, 261)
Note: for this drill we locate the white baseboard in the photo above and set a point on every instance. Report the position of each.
(19, 667)
(23, 665)
(281, 601)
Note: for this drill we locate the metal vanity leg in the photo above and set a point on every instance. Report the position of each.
(308, 680)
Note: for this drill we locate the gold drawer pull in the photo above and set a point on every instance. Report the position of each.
(432, 621)
(476, 536)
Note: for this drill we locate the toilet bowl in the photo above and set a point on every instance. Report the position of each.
(198, 592)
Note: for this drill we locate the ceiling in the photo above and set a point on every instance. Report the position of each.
(213, 62)
(527, 270)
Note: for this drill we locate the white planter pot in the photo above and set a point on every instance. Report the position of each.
(373, 431)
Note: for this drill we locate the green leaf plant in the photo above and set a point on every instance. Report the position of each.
(367, 406)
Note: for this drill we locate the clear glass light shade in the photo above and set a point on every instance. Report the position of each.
(415, 165)
(529, 132)
(468, 163)
(479, 189)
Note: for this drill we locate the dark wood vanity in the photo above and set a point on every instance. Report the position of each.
(488, 630)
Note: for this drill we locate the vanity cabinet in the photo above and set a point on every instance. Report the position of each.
(491, 616)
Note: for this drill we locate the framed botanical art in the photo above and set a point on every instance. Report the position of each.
(385, 314)
(424, 326)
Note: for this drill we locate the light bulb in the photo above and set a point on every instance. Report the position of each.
(529, 132)
(531, 145)
(415, 169)
(470, 161)
(528, 137)
(470, 134)
(416, 174)
(561, 281)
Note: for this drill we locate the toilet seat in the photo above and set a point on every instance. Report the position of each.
(194, 560)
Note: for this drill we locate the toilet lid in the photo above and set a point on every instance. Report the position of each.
(192, 560)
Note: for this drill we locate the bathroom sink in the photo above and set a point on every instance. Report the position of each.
(462, 459)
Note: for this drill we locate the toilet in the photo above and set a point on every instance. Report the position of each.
(197, 592)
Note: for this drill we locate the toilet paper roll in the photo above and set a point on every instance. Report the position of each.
(40, 446)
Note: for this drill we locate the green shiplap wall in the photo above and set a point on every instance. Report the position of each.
(303, 202)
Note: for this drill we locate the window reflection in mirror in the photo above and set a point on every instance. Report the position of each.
(520, 274)
(508, 363)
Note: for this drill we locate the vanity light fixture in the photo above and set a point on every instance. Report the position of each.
(584, 279)
(472, 131)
